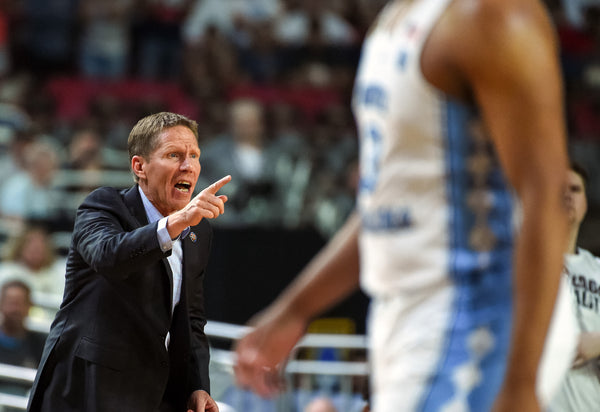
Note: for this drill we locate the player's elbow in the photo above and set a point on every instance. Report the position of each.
(543, 192)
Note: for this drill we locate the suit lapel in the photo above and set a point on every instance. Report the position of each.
(192, 247)
(133, 200)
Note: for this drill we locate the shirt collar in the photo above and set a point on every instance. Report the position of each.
(152, 212)
(154, 215)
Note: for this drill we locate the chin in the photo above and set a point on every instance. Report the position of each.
(181, 198)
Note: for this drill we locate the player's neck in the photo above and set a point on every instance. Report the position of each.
(572, 241)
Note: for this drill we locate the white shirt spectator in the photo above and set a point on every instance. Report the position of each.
(31, 194)
(294, 28)
(574, 10)
(222, 14)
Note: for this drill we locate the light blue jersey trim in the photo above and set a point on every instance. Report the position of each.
(472, 365)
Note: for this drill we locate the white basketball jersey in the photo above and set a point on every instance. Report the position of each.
(436, 235)
(583, 270)
(436, 240)
(580, 391)
(432, 199)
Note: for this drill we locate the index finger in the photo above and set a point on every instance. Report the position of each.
(215, 187)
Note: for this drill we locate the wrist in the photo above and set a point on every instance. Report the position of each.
(520, 377)
(176, 224)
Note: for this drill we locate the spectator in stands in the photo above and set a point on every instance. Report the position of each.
(89, 164)
(15, 124)
(320, 404)
(18, 345)
(334, 179)
(580, 391)
(260, 56)
(244, 153)
(575, 10)
(359, 13)
(288, 128)
(292, 160)
(244, 147)
(12, 159)
(333, 199)
(309, 18)
(85, 150)
(104, 44)
(210, 68)
(230, 18)
(334, 139)
(311, 30)
(31, 257)
(111, 120)
(31, 194)
(158, 38)
(44, 36)
(579, 45)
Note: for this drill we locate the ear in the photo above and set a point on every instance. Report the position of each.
(137, 166)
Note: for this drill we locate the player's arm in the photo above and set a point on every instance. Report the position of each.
(588, 348)
(507, 57)
(329, 277)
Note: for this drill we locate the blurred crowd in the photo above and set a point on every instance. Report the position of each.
(269, 82)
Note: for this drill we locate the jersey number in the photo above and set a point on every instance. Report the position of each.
(370, 158)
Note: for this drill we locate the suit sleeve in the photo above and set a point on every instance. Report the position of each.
(106, 237)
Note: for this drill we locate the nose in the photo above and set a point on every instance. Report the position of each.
(186, 164)
(568, 197)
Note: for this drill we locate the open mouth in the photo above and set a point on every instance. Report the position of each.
(183, 186)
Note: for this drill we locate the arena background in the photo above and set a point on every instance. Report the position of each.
(75, 75)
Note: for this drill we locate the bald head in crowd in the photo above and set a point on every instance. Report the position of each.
(320, 405)
(247, 122)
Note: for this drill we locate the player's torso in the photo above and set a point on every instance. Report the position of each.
(431, 198)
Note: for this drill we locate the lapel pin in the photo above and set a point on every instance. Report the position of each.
(193, 237)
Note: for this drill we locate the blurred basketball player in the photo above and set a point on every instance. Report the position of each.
(459, 107)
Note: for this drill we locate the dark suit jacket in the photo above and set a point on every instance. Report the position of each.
(106, 348)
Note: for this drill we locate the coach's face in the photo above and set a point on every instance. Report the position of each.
(169, 174)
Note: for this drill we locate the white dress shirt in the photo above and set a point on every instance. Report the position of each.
(166, 243)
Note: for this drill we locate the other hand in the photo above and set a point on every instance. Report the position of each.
(588, 348)
(263, 352)
(201, 401)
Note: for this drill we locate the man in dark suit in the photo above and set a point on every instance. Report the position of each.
(129, 335)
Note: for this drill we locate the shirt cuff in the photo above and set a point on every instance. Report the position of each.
(164, 239)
